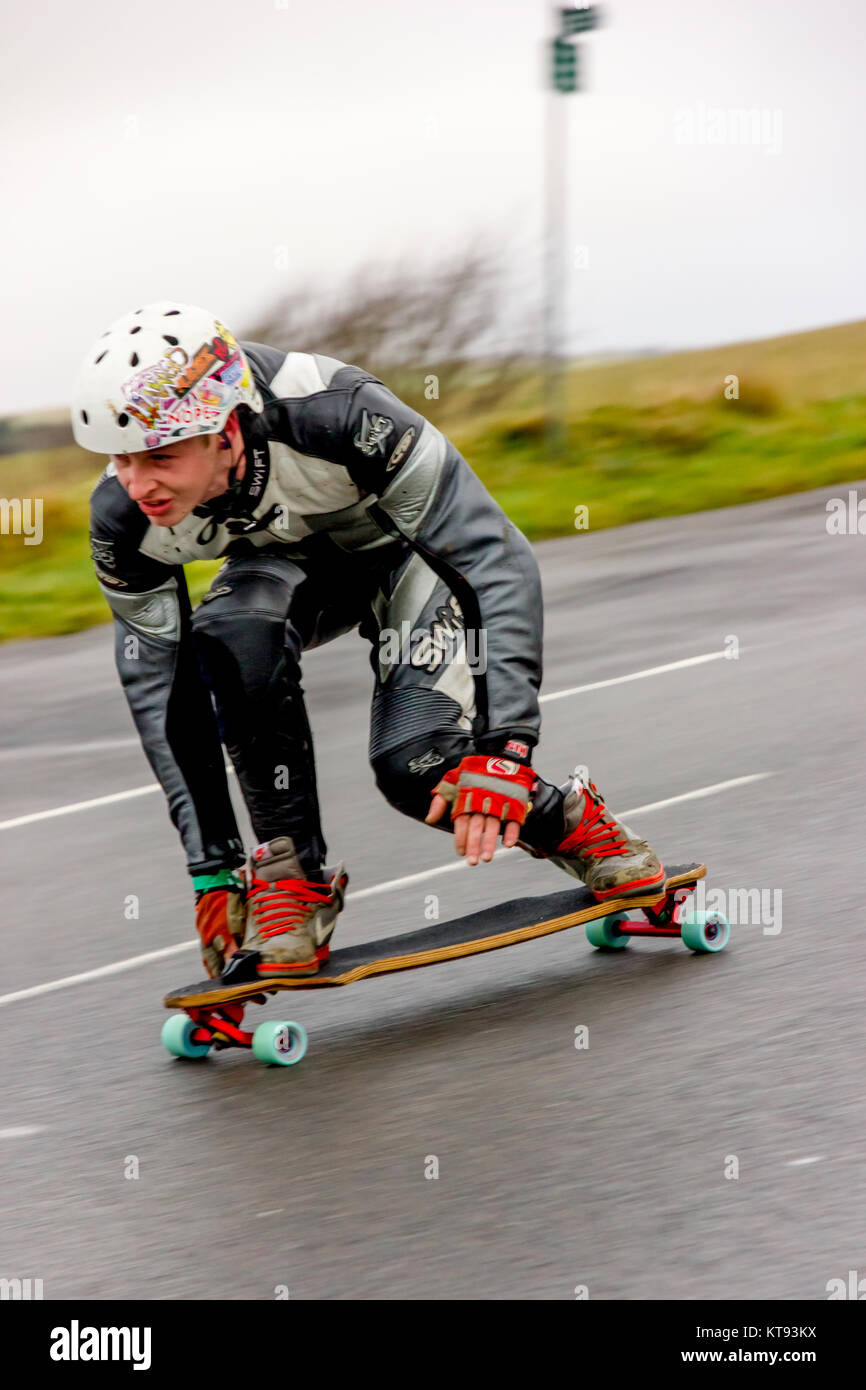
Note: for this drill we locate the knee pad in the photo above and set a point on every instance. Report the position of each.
(245, 642)
(407, 775)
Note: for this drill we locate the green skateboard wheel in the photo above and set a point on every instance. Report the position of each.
(282, 1044)
(177, 1034)
(604, 934)
(705, 931)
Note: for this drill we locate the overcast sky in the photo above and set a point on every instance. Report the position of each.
(218, 152)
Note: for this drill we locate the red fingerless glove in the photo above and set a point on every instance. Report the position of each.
(488, 785)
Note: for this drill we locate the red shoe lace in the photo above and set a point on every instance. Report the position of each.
(597, 834)
(282, 906)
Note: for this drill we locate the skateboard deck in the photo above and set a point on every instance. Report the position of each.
(213, 1004)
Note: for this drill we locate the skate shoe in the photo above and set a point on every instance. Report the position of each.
(601, 851)
(290, 919)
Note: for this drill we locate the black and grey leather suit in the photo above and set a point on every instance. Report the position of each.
(354, 511)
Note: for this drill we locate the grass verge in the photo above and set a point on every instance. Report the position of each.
(643, 440)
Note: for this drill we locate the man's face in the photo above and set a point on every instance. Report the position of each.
(168, 482)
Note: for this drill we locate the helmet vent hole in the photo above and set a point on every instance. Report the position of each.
(170, 312)
(100, 357)
(133, 361)
(84, 416)
(123, 419)
(138, 311)
(137, 328)
(169, 338)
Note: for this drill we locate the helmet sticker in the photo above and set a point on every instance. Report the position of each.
(179, 391)
(232, 371)
(146, 391)
(205, 359)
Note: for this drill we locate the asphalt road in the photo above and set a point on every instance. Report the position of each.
(708, 1143)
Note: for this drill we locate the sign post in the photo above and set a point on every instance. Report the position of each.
(563, 79)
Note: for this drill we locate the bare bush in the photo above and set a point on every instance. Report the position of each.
(456, 319)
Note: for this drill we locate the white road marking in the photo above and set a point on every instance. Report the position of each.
(20, 1131)
(86, 805)
(117, 968)
(79, 806)
(155, 787)
(697, 794)
(69, 750)
(800, 1162)
(133, 962)
(635, 676)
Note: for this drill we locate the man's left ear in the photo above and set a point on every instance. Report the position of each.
(230, 430)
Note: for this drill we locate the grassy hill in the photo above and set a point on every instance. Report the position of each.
(644, 438)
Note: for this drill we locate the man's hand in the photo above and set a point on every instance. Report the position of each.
(487, 795)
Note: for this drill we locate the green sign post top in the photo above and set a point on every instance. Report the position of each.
(579, 18)
(564, 66)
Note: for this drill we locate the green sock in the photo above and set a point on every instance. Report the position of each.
(223, 878)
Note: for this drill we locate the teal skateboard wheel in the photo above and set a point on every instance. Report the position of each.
(604, 934)
(282, 1044)
(177, 1034)
(705, 931)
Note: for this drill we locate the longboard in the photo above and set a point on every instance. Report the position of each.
(214, 1008)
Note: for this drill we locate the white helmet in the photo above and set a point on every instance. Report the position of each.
(157, 375)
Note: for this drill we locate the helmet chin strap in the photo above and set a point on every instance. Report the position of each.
(223, 503)
(225, 443)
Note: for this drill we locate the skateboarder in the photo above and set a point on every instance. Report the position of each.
(336, 507)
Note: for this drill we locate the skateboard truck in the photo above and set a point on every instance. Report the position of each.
(220, 1027)
(193, 1033)
(670, 916)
